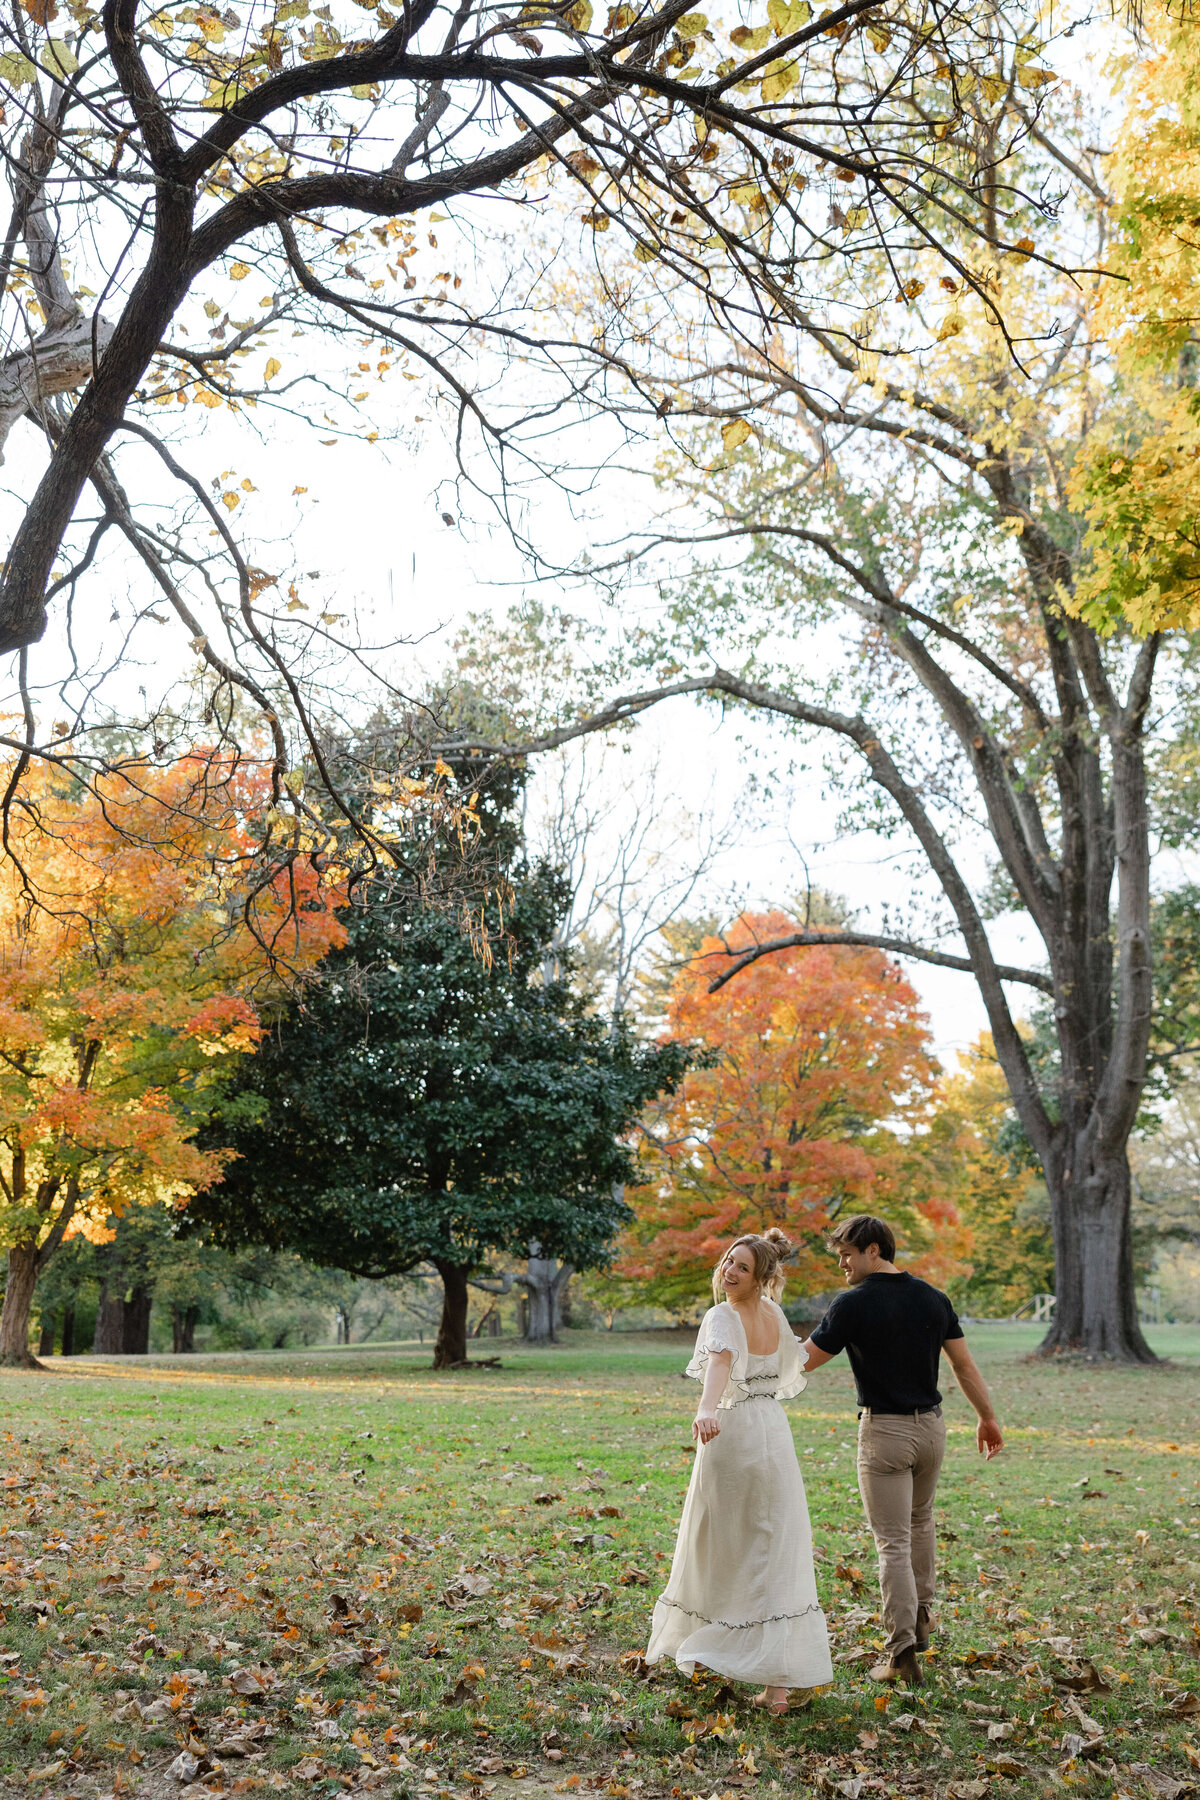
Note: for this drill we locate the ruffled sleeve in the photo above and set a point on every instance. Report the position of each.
(721, 1329)
(792, 1361)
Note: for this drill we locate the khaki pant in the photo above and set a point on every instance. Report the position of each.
(899, 1455)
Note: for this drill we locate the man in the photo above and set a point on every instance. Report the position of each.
(893, 1327)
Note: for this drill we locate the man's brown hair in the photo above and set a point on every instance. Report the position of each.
(863, 1229)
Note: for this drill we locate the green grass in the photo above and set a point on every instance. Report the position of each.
(170, 1521)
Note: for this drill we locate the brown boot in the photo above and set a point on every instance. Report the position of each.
(923, 1630)
(901, 1667)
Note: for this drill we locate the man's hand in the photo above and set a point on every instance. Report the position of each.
(705, 1427)
(989, 1437)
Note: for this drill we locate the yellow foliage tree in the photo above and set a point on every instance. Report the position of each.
(986, 1173)
(1138, 480)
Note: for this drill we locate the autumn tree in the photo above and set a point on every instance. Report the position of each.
(1136, 480)
(127, 990)
(819, 1060)
(975, 1153)
(873, 544)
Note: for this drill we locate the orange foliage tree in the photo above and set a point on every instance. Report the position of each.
(820, 1072)
(139, 941)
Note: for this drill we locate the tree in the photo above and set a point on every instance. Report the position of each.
(980, 1161)
(162, 158)
(127, 992)
(1136, 480)
(903, 485)
(423, 1107)
(818, 1062)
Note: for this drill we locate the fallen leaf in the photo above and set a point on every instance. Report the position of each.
(1088, 1681)
(1007, 1765)
(966, 1790)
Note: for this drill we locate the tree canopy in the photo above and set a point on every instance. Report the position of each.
(817, 1062)
(423, 1107)
(127, 991)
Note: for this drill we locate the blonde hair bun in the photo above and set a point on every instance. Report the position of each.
(770, 1249)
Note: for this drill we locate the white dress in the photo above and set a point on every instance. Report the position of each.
(742, 1596)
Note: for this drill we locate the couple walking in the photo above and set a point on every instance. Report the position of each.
(742, 1596)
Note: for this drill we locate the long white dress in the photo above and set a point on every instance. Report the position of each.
(742, 1596)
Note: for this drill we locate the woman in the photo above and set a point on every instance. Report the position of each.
(742, 1597)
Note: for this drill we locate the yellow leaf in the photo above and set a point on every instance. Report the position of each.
(58, 59)
(272, 369)
(950, 326)
(1023, 249)
(1035, 78)
(994, 87)
(691, 24)
(644, 253)
(747, 38)
(579, 16)
(230, 500)
(364, 90)
(747, 193)
(599, 221)
(880, 37)
(787, 16)
(779, 79)
(239, 271)
(211, 308)
(206, 397)
(16, 70)
(734, 432)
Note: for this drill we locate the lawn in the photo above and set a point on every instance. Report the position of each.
(335, 1570)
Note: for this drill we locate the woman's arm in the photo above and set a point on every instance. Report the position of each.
(716, 1377)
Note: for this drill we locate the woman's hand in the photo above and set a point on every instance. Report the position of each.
(705, 1427)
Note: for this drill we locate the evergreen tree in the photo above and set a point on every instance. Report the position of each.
(427, 1105)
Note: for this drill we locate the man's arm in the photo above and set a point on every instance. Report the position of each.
(987, 1433)
(815, 1356)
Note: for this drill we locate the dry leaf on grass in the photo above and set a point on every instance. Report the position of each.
(1088, 1680)
(966, 1790)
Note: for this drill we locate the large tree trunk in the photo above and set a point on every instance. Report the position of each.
(1094, 1310)
(68, 1331)
(451, 1345)
(109, 1339)
(545, 1281)
(135, 1327)
(18, 1301)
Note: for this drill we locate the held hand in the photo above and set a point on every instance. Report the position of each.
(989, 1437)
(705, 1427)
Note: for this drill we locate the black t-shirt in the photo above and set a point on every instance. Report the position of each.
(892, 1327)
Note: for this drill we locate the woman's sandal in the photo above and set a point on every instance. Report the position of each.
(777, 1708)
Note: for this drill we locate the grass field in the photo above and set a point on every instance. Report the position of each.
(336, 1571)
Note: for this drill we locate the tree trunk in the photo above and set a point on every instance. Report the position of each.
(562, 1298)
(46, 1337)
(1094, 1311)
(451, 1345)
(135, 1327)
(18, 1300)
(109, 1339)
(545, 1281)
(68, 1331)
(183, 1328)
